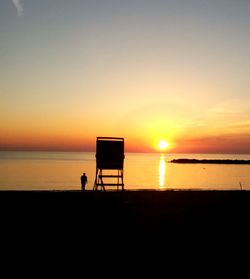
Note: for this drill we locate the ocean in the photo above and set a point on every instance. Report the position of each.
(142, 171)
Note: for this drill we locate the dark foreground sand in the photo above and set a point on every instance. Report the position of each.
(133, 230)
(202, 221)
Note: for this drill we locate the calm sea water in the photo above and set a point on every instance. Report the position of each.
(62, 170)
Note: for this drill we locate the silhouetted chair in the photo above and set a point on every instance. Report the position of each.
(109, 162)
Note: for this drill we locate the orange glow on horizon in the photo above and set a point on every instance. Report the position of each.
(145, 143)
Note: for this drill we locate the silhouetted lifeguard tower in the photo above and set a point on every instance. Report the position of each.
(109, 162)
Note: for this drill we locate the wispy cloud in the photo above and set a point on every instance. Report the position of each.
(18, 6)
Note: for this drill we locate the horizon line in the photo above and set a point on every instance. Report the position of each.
(93, 151)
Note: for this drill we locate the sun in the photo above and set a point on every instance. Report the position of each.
(163, 145)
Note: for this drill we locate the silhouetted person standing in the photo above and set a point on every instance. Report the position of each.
(84, 180)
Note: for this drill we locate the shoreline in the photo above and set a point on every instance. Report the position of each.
(126, 190)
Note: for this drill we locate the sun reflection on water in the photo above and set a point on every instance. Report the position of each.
(162, 171)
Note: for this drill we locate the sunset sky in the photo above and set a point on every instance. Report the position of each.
(145, 70)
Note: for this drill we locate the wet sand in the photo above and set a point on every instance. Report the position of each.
(207, 222)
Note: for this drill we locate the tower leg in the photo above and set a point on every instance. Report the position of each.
(96, 180)
(99, 180)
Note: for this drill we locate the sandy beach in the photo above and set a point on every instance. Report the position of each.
(161, 230)
(130, 215)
